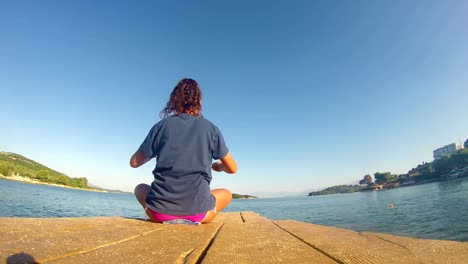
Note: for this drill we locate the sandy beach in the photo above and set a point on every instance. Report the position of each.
(20, 178)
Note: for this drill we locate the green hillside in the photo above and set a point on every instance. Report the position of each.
(448, 167)
(242, 196)
(338, 189)
(15, 164)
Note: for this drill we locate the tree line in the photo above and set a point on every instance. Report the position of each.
(14, 164)
(425, 172)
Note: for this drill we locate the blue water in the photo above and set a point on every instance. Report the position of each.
(30, 200)
(437, 210)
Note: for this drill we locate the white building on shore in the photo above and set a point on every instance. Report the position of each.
(445, 150)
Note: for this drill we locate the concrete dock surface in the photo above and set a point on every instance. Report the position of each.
(238, 237)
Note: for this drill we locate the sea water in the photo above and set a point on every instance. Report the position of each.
(437, 210)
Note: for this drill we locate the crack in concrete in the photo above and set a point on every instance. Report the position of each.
(73, 253)
(185, 255)
(310, 245)
(242, 217)
(393, 243)
(203, 254)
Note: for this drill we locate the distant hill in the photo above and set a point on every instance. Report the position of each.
(338, 189)
(242, 196)
(12, 164)
(104, 189)
(447, 167)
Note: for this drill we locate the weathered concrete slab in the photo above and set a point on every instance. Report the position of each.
(259, 241)
(347, 246)
(428, 250)
(229, 217)
(252, 217)
(241, 237)
(44, 238)
(174, 244)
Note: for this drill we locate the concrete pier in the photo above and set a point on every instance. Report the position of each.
(241, 237)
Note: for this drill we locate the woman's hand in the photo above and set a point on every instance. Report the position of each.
(226, 164)
(138, 159)
(217, 166)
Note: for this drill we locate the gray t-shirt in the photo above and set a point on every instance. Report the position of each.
(184, 147)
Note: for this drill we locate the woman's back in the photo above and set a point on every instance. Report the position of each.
(184, 146)
(187, 144)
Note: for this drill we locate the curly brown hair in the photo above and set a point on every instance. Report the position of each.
(185, 98)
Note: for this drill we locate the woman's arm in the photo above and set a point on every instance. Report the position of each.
(138, 159)
(227, 164)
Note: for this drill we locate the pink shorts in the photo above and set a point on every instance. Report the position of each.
(160, 217)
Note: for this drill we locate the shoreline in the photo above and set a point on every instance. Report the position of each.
(37, 182)
(387, 189)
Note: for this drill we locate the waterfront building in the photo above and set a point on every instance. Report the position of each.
(445, 150)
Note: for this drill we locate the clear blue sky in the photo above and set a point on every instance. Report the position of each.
(308, 94)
